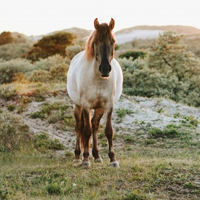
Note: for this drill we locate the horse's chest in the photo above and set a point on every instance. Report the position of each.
(97, 95)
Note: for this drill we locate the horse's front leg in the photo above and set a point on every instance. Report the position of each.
(95, 126)
(109, 135)
(78, 128)
(87, 132)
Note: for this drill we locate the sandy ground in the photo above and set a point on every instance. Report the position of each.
(146, 112)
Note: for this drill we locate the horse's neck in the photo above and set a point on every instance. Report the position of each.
(93, 66)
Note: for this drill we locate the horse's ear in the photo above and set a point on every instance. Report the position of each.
(96, 23)
(112, 23)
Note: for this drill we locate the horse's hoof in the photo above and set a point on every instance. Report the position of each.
(98, 160)
(114, 164)
(77, 162)
(85, 164)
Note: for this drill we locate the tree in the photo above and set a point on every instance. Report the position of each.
(5, 38)
(169, 56)
(169, 71)
(50, 45)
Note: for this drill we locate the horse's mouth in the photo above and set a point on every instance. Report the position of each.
(105, 76)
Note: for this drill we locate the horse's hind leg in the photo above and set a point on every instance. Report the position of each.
(95, 126)
(78, 128)
(87, 132)
(109, 135)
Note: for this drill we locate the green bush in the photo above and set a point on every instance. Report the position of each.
(13, 133)
(47, 63)
(14, 50)
(133, 54)
(71, 51)
(169, 71)
(14, 45)
(42, 142)
(8, 92)
(38, 76)
(59, 71)
(8, 69)
(170, 131)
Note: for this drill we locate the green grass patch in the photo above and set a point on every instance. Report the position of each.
(42, 142)
(144, 173)
(56, 112)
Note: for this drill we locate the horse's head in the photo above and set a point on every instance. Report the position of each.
(103, 45)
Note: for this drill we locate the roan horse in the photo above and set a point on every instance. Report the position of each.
(94, 81)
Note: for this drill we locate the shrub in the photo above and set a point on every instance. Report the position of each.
(14, 45)
(14, 50)
(5, 38)
(50, 45)
(133, 54)
(71, 51)
(169, 71)
(8, 92)
(13, 133)
(38, 76)
(43, 142)
(121, 112)
(170, 131)
(8, 69)
(47, 63)
(59, 72)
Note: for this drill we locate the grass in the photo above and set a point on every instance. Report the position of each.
(146, 173)
(55, 112)
(121, 113)
(154, 163)
(149, 169)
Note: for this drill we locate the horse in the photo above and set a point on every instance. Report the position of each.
(94, 82)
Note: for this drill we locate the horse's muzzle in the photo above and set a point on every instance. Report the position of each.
(105, 70)
(105, 75)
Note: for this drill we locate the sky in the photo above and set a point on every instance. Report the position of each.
(38, 17)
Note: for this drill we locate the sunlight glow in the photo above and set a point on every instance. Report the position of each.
(44, 16)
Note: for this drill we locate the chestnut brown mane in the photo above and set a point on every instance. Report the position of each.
(102, 34)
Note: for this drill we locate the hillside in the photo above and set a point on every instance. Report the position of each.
(156, 139)
(152, 32)
(81, 34)
(186, 30)
(128, 34)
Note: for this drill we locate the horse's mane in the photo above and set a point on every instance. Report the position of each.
(102, 34)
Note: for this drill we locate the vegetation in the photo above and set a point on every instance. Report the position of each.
(154, 171)
(13, 133)
(51, 45)
(169, 71)
(5, 38)
(14, 45)
(155, 163)
(133, 54)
